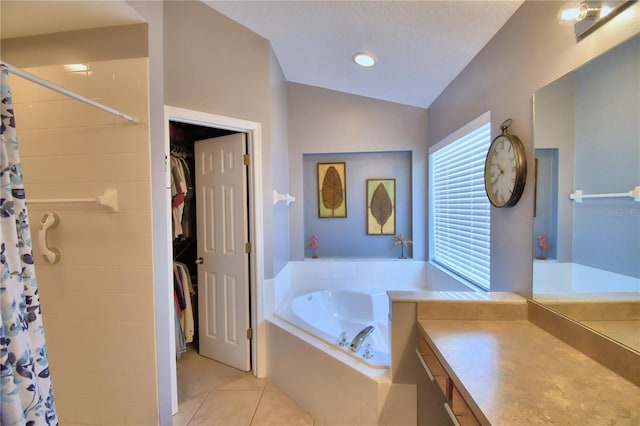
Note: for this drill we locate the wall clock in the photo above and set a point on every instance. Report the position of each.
(505, 169)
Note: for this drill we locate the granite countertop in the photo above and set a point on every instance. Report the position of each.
(515, 373)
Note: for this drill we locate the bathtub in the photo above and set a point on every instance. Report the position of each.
(335, 385)
(340, 314)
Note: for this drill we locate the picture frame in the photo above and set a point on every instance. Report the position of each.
(381, 206)
(332, 190)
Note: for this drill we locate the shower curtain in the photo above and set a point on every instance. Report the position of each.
(26, 397)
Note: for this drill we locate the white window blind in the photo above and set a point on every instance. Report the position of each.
(460, 209)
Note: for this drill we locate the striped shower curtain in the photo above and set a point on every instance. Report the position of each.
(26, 397)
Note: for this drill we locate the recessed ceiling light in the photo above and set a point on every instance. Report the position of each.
(364, 59)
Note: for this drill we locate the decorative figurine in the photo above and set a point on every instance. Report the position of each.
(544, 246)
(402, 241)
(313, 245)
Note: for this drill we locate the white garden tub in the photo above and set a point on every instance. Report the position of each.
(327, 314)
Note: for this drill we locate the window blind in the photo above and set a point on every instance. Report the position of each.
(460, 207)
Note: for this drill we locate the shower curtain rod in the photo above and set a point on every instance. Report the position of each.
(49, 85)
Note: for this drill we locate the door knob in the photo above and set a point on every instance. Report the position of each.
(199, 261)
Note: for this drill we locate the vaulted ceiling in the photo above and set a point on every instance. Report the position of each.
(420, 46)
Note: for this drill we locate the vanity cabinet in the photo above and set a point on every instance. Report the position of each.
(461, 410)
(455, 404)
(434, 369)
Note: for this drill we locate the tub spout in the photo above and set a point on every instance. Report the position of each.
(357, 341)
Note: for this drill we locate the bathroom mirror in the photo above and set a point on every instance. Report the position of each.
(587, 221)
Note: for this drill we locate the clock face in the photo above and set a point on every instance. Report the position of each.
(505, 171)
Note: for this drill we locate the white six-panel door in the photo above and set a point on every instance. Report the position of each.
(223, 275)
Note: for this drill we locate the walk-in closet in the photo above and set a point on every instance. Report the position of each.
(184, 228)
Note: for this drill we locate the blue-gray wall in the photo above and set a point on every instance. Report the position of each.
(324, 121)
(347, 237)
(279, 164)
(554, 128)
(607, 160)
(530, 51)
(546, 206)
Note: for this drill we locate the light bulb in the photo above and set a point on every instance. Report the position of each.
(569, 12)
(364, 59)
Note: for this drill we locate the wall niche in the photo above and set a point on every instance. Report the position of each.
(347, 237)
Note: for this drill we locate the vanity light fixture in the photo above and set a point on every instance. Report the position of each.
(576, 12)
(364, 59)
(587, 16)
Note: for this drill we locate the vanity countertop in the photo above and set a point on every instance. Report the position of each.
(515, 373)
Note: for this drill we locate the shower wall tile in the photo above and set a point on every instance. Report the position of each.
(88, 412)
(103, 251)
(84, 140)
(117, 168)
(112, 413)
(113, 79)
(51, 114)
(74, 81)
(28, 91)
(97, 303)
(130, 280)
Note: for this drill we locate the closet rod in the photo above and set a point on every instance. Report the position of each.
(49, 85)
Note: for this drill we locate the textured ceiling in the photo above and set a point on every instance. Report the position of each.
(21, 18)
(420, 46)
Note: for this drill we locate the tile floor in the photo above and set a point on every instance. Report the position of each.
(210, 393)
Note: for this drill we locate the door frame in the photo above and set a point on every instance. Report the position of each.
(256, 232)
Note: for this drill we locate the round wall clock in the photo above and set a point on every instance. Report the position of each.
(505, 169)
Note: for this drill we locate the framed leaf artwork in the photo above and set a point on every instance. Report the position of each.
(381, 206)
(332, 190)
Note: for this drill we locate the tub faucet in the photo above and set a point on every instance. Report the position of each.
(357, 341)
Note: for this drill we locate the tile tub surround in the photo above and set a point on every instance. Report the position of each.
(565, 278)
(332, 389)
(513, 372)
(389, 274)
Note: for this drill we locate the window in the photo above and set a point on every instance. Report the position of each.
(459, 208)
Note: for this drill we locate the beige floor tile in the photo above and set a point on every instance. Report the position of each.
(227, 408)
(276, 409)
(210, 393)
(248, 382)
(197, 375)
(271, 387)
(187, 409)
